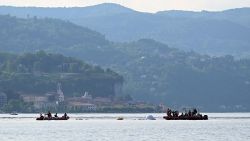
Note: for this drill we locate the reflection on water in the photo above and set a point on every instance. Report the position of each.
(105, 127)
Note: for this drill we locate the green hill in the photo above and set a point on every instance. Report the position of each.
(152, 71)
(55, 36)
(215, 33)
(20, 35)
(40, 72)
(162, 74)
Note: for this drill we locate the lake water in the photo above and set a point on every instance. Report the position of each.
(105, 127)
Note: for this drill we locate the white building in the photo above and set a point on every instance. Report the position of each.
(87, 97)
(38, 101)
(82, 106)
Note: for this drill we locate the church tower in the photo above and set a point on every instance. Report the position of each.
(60, 93)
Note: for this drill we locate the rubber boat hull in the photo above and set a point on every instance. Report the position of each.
(205, 117)
(53, 118)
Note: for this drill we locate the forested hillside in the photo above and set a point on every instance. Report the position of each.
(40, 73)
(152, 71)
(214, 33)
(20, 35)
(162, 74)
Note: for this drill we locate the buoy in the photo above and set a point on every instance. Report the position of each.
(150, 117)
(120, 118)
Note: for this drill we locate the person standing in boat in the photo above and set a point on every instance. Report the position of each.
(195, 111)
(65, 115)
(169, 112)
(49, 114)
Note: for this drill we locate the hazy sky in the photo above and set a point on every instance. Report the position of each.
(139, 5)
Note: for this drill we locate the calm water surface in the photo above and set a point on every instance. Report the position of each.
(105, 127)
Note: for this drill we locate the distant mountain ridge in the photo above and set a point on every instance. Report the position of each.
(213, 33)
(237, 15)
(65, 13)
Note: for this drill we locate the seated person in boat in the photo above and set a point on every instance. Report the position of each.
(56, 115)
(169, 112)
(41, 116)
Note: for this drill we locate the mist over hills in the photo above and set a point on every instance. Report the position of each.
(212, 33)
(152, 71)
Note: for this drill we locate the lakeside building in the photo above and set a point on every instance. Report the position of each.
(81, 106)
(58, 96)
(83, 103)
(38, 101)
(3, 99)
(50, 99)
(87, 97)
(102, 101)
